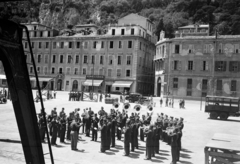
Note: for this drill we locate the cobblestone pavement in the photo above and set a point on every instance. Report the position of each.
(198, 130)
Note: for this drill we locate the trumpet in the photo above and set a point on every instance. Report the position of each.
(116, 105)
(126, 105)
(137, 107)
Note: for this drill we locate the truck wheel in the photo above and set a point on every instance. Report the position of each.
(213, 115)
(223, 116)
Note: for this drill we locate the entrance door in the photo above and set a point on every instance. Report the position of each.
(108, 88)
(159, 89)
(75, 85)
(59, 85)
(52, 85)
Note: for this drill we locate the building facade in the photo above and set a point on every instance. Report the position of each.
(193, 66)
(84, 59)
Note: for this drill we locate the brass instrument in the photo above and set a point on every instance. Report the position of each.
(137, 107)
(150, 107)
(126, 105)
(116, 105)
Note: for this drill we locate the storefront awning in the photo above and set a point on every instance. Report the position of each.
(126, 84)
(41, 78)
(2, 76)
(95, 83)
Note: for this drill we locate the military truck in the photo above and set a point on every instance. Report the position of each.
(222, 107)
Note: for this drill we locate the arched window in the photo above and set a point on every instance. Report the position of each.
(75, 85)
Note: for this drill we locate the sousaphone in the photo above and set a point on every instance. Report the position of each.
(116, 105)
(126, 105)
(150, 107)
(137, 107)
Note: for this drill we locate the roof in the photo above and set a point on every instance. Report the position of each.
(86, 25)
(193, 26)
(138, 16)
(236, 98)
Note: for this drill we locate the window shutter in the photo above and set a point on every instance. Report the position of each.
(186, 65)
(172, 66)
(173, 48)
(205, 48)
(194, 65)
(180, 48)
(216, 65)
(225, 66)
(230, 66)
(206, 65)
(179, 65)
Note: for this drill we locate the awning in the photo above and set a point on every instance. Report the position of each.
(2, 76)
(41, 78)
(126, 84)
(95, 83)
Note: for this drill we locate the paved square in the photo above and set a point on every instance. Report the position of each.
(198, 130)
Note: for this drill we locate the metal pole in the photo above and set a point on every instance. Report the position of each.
(40, 94)
(201, 103)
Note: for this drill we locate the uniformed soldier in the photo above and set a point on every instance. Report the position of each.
(42, 127)
(63, 123)
(174, 146)
(157, 137)
(137, 124)
(104, 136)
(54, 126)
(142, 128)
(119, 126)
(133, 134)
(94, 128)
(109, 126)
(75, 125)
(149, 142)
(62, 112)
(69, 121)
(113, 130)
(127, 139)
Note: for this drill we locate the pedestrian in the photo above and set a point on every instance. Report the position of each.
(42, 127)
(94, 128)
(103, 136)
(166, 101)
(74, 132)
(156, 138)
(161, 101)
(54, 94)
(172, 102)
(127, 139)
(121, 99)
(100, 98)
(149, 142)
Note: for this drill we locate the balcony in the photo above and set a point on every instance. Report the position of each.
(159, 58)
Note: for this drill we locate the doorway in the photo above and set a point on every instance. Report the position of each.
(159, 87)
(75, 85)
(108, 88)
(59, 85)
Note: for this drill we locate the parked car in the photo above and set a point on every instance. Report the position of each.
(135, 97)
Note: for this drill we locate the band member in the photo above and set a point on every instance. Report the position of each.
(69, 121)
(156, 137)
(174, 146)
(137, 125)
(104, 136)
(127, 139)
(75, 125)
(94, 128)
(142, 128)
(119, 126)
(153, 141)
(101, 112)
(63, 123)
(149, 143)
(42, 127)
(62, 112)
(113, 130)
(179, 135)
(133, 134)
(88, 122)
(49, 120)
(54, 126)
(149, 118)
(83, 120)
(124, 118)
(109, 126)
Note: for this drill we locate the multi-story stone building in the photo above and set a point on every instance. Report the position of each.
(194, 64)
(119, 60)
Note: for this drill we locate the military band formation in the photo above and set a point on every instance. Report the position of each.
(115, 125)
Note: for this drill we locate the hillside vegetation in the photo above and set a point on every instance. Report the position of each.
(168, 15)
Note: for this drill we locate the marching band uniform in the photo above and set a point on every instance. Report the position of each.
(94, 128)
(127, 139)
(109, 125)
(75, 125)
(136, 136)
(119, 127)
(54, 126)
(153, 141)
(49, 120)
(42, 127)
(157, 137)
(141, 129)
(103, 137)
(133, 135)
(69, 121)
(179, 134)
(63, 123)
(174, 147)
(149, 143)
(113, 131)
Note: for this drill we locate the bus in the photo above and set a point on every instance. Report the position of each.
(222, 107)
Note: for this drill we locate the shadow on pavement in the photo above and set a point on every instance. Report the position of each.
(109, 153)
(162, 158)
(133, 155)
(163, 150)
(185, 162)
(185, 151)
(163, 154)
(157, 161)
(114, 150)
(184, 156)
(139, 152)
(230, 120)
